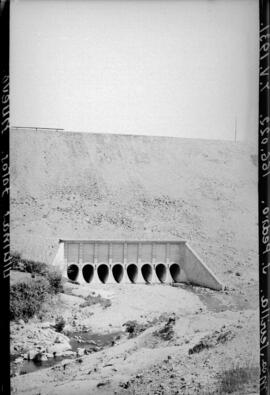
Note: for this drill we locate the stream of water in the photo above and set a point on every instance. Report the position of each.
(91, 342)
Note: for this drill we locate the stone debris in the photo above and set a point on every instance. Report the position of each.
(58, 349)
(80, 352)
(167, 331)
(102, 383)
(18, 360)
(212, 340)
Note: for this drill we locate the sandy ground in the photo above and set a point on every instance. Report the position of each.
(108, 186)
(148, 363)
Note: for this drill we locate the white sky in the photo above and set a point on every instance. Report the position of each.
(167, 67)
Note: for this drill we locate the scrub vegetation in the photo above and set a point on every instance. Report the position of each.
(93, 299)
(28, 295)
(238, 380)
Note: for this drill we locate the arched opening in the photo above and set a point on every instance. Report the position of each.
(175, 271)
(147, 272)
(88, 273)
(161, 272)
(103, 273)
(118, 272)
(72, 272)
(132, 272)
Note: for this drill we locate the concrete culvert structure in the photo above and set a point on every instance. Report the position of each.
(133, 261)
(132, 272)
(88, 273)
(103, 273)
(72, 272)
(175, 271)
(118, 272)
(147, 272)
(161, 272)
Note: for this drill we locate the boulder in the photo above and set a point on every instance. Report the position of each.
(45, 325)
(66, 362)
(96, 349)
(32, 354)
(57, 340)
(92, 342)
(38, 357)
(69, 353)
(18, 360)
(60, 338)
(80, 352)
(41, 348)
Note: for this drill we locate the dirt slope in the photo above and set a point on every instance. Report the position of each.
(72, 185)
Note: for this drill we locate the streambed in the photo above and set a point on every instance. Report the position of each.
(87, 342)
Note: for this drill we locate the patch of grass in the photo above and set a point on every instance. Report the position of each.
(238, 379)
(91, 300)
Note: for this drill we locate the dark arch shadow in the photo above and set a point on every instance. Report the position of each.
(118, 272)
(72, 272)
(103, 273)
(147, 272)
(88, 273)
(161, 272)
(175, 271)
(132, 272)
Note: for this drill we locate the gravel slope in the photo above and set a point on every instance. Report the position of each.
(70, 185)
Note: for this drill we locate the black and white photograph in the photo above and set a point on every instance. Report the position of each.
(133, 149)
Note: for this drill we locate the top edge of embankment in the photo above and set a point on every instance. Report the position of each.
(62, 132)
(121, 241)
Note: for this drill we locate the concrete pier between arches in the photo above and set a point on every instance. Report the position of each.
(132, 262)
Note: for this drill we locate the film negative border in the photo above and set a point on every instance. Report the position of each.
(264, 202)
(263, 205)
(5, 234)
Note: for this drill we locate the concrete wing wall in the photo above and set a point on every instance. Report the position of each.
(197, 272)
(59, 259)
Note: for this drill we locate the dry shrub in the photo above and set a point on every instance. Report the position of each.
(27, 297)
(60, 323)
(91, 300)
(237, 379)
(167, 331)
(55, 280)
(133, 328)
